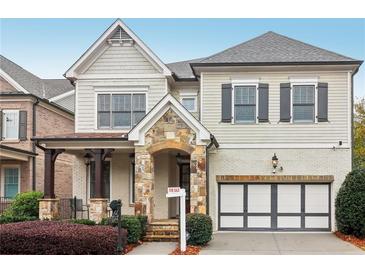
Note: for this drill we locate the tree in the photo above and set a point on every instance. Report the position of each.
(359, 134)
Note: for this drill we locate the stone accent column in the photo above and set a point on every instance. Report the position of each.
(144, 183)
(98, 209)
(198, 178)
(49, 209)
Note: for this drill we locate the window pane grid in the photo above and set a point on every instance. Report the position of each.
(245, 104)
(303, 103)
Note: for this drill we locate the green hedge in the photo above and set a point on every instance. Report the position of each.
(199, 227)
(350, 204)
(6, 219)
(25, 204)
(83, 222)
(135, 225)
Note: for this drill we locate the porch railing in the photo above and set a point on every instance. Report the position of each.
(5, 202)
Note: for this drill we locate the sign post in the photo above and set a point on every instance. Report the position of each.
(180, 192)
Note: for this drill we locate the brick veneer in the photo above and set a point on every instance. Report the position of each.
(274, 178)
(169, 132)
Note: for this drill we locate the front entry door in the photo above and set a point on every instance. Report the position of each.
(185, 183)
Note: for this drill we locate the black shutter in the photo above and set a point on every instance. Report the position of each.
(226, 103)
(263, 103)
(22, 125)
(1, 125)
(322, 102)
(285, 102)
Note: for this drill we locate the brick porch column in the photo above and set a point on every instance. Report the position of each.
(198, 179)
(49, 206)
(144, 183)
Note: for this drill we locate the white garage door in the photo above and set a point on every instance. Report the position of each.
(274, 207)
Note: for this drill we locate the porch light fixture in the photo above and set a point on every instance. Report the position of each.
(275, 162)
(87, 159)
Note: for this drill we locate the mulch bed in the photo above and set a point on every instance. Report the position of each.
(190, 250)
(351, 239)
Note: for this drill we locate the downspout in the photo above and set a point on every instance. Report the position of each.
(214, 142)
(34, 132)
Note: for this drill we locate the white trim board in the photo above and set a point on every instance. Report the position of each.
(61, 96)
(71, 72)
(284, 145)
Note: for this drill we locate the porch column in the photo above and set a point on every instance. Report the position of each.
(99, 203)
(144, 183)
(49, 206)
(198, 179)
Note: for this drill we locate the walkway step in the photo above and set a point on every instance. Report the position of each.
(161, 238)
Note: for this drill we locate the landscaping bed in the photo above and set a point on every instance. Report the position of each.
(351, 239)
(190, 250)
(56, 238)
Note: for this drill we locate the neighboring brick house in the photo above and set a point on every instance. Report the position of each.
(259, 135)
(26, 111)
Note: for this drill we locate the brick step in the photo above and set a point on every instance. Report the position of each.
(161, 238)
(162, 232)
(162, 227)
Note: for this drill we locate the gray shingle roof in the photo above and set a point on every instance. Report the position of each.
(43, 88)
(274, 48)
(182, 69)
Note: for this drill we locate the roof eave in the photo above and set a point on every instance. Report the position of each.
(355, 62)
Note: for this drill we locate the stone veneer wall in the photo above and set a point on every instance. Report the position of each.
(169, 132)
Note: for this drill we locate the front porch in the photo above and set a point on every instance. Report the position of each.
(166, 148)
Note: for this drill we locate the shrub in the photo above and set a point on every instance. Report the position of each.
(129, 222)
(56, 238)
(143, 220)
(5, 219)
(83, 222)
(199, 227)
(25, 204)
(350, 205)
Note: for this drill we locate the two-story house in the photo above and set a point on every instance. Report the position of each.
(27, 109)
(259, 135)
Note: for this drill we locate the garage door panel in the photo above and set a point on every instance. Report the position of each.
(259, 221)
(316, 222)
(289, 222)
(289, 198)
(316, 198)
(232, 198)
(231, 221)
(259, 198)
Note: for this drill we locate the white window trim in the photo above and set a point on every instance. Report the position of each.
(190, 97)
(4, 111)
(241, 84)
(111, 93)
(304, 82)
(3, 167)
(110, 176)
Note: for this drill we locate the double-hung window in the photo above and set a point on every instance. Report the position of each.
(120, 110)
(189, 103)
(10, 124)
(303, 103)
(245, 104)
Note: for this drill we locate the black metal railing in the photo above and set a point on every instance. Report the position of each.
(5, 202)
(73, 208)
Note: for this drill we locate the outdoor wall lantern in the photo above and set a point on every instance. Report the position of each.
(275, 162)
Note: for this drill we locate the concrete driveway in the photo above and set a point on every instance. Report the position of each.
(241, 243)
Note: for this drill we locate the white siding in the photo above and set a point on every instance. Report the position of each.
(67, 102)
(119, 59)
(274, 132)
(86, 112)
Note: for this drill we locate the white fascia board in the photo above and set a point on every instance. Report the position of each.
(70, 73)
(285, 146)
(62, 96)
(12, 82)
(137, 133)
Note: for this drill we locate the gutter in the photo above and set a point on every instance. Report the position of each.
(34, 133)
(213, 141)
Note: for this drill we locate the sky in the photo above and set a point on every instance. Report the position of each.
(48, 47)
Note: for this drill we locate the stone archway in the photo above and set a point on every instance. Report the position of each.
(169, 132)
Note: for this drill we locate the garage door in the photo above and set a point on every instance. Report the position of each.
(295, 207)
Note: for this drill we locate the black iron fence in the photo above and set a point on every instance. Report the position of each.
(73, 208)
(5, 202)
